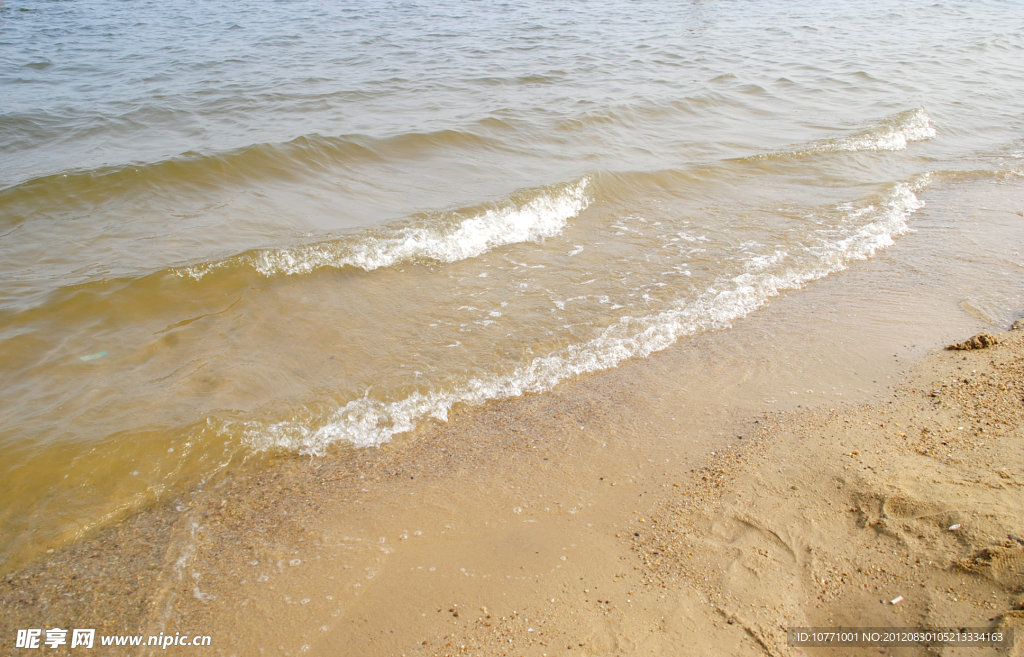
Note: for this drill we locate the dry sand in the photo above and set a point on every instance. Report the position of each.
(829, 515)
(537, 527)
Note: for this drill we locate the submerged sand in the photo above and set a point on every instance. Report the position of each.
(548, 533)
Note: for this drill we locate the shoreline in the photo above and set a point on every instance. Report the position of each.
(463, 330)
(189, 564)
(525, 507)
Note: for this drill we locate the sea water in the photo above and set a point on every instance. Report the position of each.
(228, 229)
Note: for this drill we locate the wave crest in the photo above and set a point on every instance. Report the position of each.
(449, 238)
(893, 134)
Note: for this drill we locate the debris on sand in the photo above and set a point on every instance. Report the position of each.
(980, 341)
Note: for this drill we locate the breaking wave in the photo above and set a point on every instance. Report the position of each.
(450, 237)
(892, 134)
(367, 422)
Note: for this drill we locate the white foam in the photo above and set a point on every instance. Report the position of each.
(544, 215)
(891, 135)
(366, 422)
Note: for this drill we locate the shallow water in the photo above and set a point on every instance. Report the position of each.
(231, 228)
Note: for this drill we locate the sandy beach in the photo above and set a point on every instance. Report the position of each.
(543, 526)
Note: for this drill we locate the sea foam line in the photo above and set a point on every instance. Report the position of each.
(366, 422)
(891, 135)
(544, 215)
